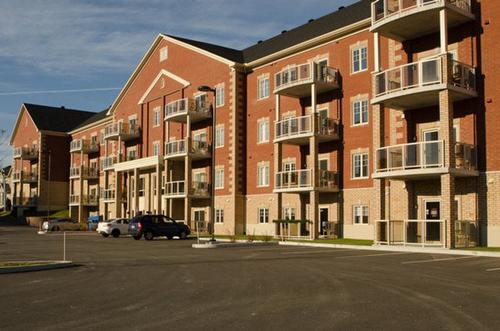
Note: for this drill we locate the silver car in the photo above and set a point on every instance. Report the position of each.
(114, 227)
(60, 224)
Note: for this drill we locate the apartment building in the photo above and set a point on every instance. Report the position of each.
(376, 121)
(40, 166)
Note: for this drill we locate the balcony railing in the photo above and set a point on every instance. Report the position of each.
(74, 199)
(385, 9)
(425, 233)
(425, 155)
(200, 189)
(30, 177)
(108, 195)
(75, 172)
(175, 148)
(90, 200)
(294, 180)
(180, 108)
(85, 146)
(175, 189)
(90, 172)
(420, 77)
(107, 163)
(328, 180)
(125, 131)
(25, 201)
(299, 127)
(28, 153)
(304, 74)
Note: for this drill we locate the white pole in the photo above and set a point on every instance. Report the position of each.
(64, 247)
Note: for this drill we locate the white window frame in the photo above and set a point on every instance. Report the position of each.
(363, 107)
(219, 136)
(359, 51)
(289, 213)
(263, 131)
(360, 214)
(263, 88)
(164, 54)
(362, 156)
(219, 178)
(263, 174)
(219, 216)
(219, 95)
(156, 117)
(263, 215)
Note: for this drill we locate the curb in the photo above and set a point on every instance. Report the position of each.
(443, 251)
(229, 244)
(50, 266)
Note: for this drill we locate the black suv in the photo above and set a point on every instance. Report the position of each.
(156, 226)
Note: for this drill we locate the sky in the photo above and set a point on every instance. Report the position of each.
(50, 48)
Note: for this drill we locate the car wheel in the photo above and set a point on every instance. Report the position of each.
(137, 237)
(105, 235)
(183, 235)
(148, 235)
(115, 233)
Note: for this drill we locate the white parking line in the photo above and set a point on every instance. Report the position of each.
(439, 260)
(493, 269)
(307, 251)
(371, 255)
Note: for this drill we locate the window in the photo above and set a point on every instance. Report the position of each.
(156, 117)
(263, 88)
(153, 183)
(163, 54)
(288, 166)
(93, 140)
(288, 213)
(219, 136)
(219, 216)
(263, 131)
(156, 148)
(360, 112)
(360, 214)
(219, 178)
(360, 165)
(142, 182)
(219, 94)
(131, 154)
(263, 175)
(201, 103)
(359, 59)
(263, 215)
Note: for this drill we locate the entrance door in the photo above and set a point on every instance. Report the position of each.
(433, 229)
(199, 219)
(323, 221)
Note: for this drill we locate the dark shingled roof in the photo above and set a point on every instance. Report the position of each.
(333, 21)
(56, 118)
(97, 117)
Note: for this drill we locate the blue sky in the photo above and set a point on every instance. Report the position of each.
(51, 45)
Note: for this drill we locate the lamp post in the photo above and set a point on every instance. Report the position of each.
(205, 88)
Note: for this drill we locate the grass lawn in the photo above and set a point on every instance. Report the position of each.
(60, 214)
(23, 264)
(340, 241)
(239, 237)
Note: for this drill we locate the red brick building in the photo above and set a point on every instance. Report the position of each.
(376, 121)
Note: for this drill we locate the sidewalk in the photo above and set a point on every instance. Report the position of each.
(409, 249)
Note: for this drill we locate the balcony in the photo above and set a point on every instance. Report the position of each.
(417, 84)
(298, 130)
(84, 146)
(108, 195)
(74, 200)
(409, 19)
(293, 181)
(200, 190)
(26, 153)
(75, 172)
(25, 201)
(328, 181)
(108, 163)
(90, 200)
(423, 160)
(90, 173)
(123, 131)
(176, 150)
(26, 177)
(178, 111)
(423, 233)
(175, 189)
(295, 81)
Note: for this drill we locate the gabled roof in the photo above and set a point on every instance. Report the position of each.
(56, 119)
(225, 52)
(95, 118)
(343, 17)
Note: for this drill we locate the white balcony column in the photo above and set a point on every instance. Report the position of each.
(376, 51)
(158, 189)
(80, 193)
(313, 165)
(188, 171)
(378, 142)
(118, 194)
(148, 194)
(136, 190)
(278, 156)
(443, 30)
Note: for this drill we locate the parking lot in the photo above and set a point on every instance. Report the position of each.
(127, 284)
